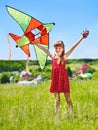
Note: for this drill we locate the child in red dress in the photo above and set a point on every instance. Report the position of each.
(59, 78)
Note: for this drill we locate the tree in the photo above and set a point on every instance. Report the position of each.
(69, 71)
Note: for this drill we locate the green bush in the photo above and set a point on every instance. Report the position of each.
(5, 78)
(90, 71)
(95, 75)
(16, 78)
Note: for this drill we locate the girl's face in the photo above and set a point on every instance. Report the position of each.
(59, 50)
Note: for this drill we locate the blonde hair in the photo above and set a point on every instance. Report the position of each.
(59, 44)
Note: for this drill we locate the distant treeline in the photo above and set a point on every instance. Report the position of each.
(19, 65)
(87, 60)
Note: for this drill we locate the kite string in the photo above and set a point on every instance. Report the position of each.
(27, 63)
(10, 54)
(9, 46)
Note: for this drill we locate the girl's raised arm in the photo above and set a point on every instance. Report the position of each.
(44, 49)
(84, 35)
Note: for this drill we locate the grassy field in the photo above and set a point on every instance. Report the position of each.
(32, 108)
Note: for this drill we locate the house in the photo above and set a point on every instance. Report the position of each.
(82, 69)
(26, 74)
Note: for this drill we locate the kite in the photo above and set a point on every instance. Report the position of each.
(34, 32)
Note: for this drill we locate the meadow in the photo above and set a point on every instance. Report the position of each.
(32, 107)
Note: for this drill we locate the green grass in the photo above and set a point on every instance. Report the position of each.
(32, 108)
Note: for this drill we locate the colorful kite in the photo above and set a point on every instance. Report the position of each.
(34, 32)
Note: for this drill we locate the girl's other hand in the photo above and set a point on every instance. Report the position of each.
(85, 33)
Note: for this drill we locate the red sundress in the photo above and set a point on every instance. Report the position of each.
(59, 77)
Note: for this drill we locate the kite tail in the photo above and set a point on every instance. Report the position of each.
(27, 63)
(9, 46)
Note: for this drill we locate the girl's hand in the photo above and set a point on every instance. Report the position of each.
(85, 33)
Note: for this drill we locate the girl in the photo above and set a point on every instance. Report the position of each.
(59, 78)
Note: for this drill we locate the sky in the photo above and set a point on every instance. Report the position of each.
(71, 17)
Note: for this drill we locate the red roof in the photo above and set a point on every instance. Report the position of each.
(26, 74)
(84, 66)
